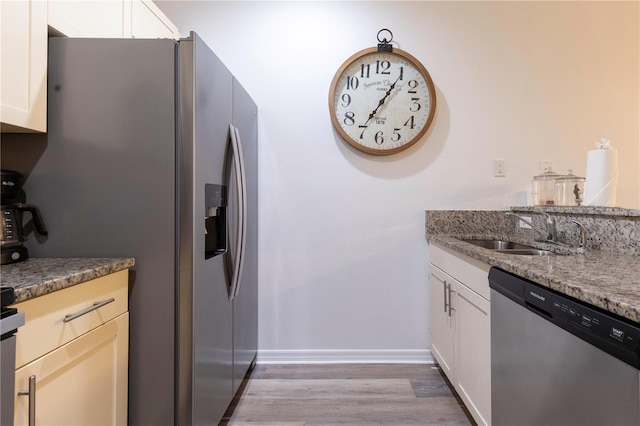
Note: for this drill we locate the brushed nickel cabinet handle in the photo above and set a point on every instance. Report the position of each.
(31, 393)
(96, 305)
(451, 308)
(444, 293)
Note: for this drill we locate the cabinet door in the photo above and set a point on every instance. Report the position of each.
(441, 324)
(83, 382)
(473, 353)
(23, 35)
(98, 18)
(148, 21)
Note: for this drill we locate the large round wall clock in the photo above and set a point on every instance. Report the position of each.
(382, 100)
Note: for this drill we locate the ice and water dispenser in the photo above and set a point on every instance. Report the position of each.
(215, 221)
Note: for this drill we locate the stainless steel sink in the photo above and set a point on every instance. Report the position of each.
(497, 244)
(509, 247)
(528, 252)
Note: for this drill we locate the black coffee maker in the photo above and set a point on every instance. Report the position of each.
(12, 249)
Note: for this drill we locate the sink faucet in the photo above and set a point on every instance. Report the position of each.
(551, 234)
(583, 234)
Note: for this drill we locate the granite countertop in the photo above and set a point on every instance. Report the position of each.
(610, 281)
(39, 276)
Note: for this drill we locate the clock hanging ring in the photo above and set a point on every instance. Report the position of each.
(382, 99)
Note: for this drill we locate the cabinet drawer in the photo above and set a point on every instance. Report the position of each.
(45, 329)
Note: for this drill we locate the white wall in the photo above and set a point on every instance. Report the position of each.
(343, 255)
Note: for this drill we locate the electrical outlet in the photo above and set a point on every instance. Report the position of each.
(499, 168)
(524, 225)
(543, 165)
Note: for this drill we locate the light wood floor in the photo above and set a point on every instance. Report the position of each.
(353, 394)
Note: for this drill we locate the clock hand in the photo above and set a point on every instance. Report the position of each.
(381, 102)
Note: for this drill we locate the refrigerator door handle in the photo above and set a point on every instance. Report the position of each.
(241, 223)
(243, 240)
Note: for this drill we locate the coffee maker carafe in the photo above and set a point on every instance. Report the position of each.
(11, 247)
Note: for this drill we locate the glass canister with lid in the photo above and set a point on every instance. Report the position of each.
(544, 188)
(569, 189)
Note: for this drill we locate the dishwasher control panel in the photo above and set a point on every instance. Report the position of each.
(597, 323)
(615, 335)
(563, 310)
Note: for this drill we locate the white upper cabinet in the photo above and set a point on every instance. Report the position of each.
(110, 18)
(24, 29)
(96, 18)
(23, 74)
(148, 21)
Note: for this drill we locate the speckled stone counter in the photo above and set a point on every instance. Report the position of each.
(607, 279)
(37, 277)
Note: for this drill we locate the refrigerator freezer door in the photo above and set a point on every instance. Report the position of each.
(205, 313)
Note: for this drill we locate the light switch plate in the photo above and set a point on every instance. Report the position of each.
(543, 165)
(499, 168)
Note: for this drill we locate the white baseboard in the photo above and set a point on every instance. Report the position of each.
(345, 356)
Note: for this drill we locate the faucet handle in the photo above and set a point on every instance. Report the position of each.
(550, 219)
(583, 234)
(552, 233)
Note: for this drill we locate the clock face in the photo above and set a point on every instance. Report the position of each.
(382, 102)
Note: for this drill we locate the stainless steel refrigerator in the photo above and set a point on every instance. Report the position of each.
(152, 153)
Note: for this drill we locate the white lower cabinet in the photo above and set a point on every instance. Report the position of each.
(441, 319)
(83, 382)
(473, 353)
(460, 328)
(72, 355)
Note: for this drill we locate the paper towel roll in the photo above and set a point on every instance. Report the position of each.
(602, 178)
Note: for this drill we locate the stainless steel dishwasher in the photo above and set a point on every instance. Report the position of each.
(558, 361)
